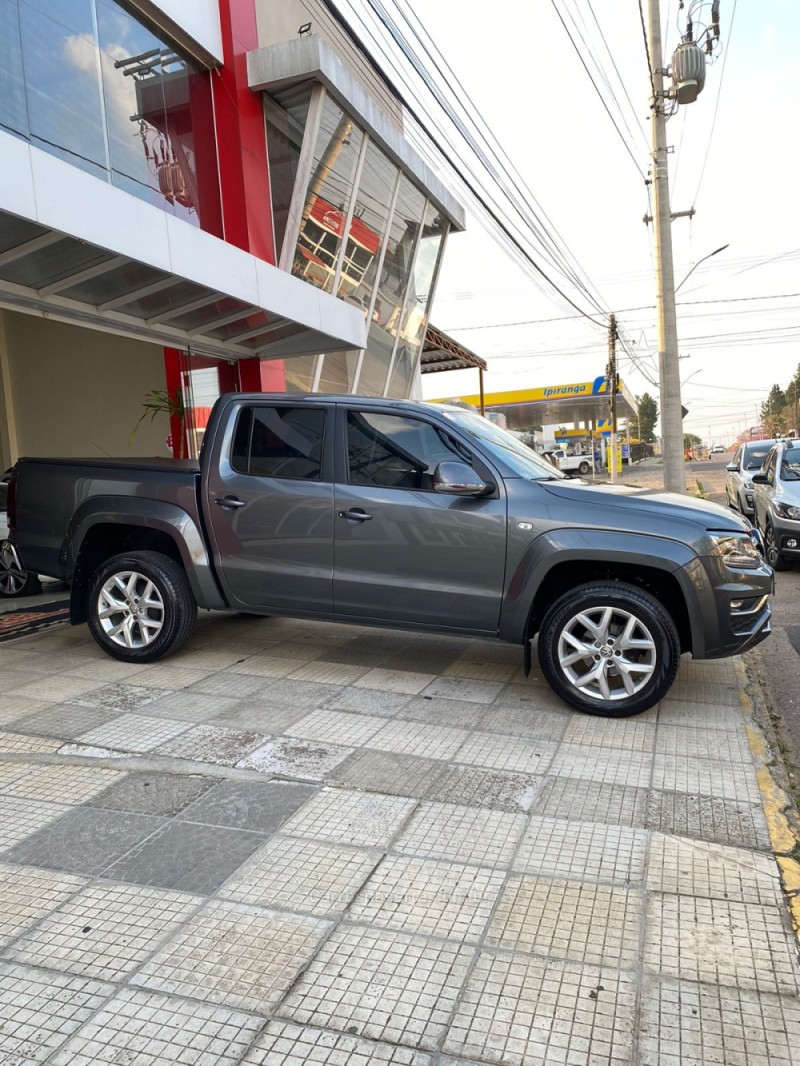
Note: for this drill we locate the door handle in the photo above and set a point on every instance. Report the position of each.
(357, 515)
(229, 501)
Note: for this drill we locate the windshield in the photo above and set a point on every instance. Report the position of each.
(790, 466)
(505, 446)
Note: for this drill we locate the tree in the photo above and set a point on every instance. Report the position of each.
(648, 416)
(691, 440)
(773, 416)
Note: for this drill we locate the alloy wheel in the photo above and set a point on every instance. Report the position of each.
(771, 546)
(607, 653)
(12, 579)
(130, 609)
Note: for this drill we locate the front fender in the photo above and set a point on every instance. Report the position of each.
(134, 512)
(603, 547)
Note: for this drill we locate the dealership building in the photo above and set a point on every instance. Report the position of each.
(198, 196)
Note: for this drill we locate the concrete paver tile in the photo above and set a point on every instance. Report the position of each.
(712, 692)
(721, 942)
(258, 806)
(592, 801)
(417, 738)
(708, 777)
(475, 670)
(689, 712)
(381, 984)
(462, 834)
(22, 744)
(265, 666)
(186, 857)
(166, 676)
(524, 1011)
(28, 894)
(40, 1009)
(723, 745)
(530, 695)
(588, 851)
(626, 734)
(284, 1044)
(384, 771)
(53, 688)
(709, 818)
(282, 691)
(83, 840)
(495, 751)
(255, 714)
(302, 875)
(328, 673)
(13, 771)
(403, 681)
(21, 817)
(602, 765)
(211, 744)
(293, 757)
(429, 897)
(155, 1030)
(461, 688)
(17, 708)
(523, 720)
(63, 784)
(698, 868)
(495, 789)
(64, 721)
(133, 732)
(436, 710)
(120, 697)
(152, 793)
(683, 1022)
(104, 931)
(368, 701)
(586, 923)
(185, 706)
(363, 819)
(337, 727)
(228, 684)
(237, 955)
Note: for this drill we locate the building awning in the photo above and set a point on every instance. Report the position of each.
(79, 250)
(440, 352)
(585, 401)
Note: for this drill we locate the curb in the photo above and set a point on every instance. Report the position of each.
(780, 811)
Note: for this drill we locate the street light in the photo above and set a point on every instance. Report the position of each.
(699, 261)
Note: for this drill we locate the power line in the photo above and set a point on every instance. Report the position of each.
(716, 105)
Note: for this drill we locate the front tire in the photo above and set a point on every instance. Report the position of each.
(609, 649)
(584, 469)
(141, 607)
(772, 552)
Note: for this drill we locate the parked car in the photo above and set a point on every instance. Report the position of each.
(747, 459)
(777, 504)
(14, 582)
(577, 464)
(716, 449)
(402, 514)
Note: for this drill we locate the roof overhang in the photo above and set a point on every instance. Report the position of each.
(586, 402)
(79, 250)
(441, 352)
(309, 58)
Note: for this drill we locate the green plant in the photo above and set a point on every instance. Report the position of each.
(160, 401)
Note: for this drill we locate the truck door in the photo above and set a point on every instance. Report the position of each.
(268, 502)
(403, 552)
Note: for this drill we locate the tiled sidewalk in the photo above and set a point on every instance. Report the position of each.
(306, 843)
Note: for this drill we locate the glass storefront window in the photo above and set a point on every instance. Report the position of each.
(87, 81)
(327, 199)
(286, 117)
(415, 313)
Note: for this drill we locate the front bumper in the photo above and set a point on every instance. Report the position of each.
(787, 536)
(736, 611)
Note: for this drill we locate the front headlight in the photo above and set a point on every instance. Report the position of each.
(748, 484)
(785, 510)
(737, 550)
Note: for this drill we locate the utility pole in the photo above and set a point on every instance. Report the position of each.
(611, 374)
(668, 367)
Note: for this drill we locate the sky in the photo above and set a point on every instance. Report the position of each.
(735, 159)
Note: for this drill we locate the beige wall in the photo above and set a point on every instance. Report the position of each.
(78, 392)
(279, 21)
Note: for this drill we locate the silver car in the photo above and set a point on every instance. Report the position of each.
(749, 458)
(777, 504)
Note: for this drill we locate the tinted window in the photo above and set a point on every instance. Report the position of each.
(754, 457)
(504, 446)
(3, 497)
(283, 442)
(790, 465)
(397, 452)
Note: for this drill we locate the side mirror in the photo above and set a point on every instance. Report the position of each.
(458, 479)
(760, 478)
(732, 468)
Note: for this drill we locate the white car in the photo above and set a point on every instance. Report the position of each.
(13, 581)
(747, 461)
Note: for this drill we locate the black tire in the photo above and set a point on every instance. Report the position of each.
(650, 616)
(175, 617)
(16, 583)
(584, 468)
(777, 561)
(731, 504)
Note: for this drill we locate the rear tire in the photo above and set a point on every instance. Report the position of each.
(609, 649)
(141, 607)
(584, 469)
(14, 582)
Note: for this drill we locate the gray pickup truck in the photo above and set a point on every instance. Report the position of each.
(401, 514)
